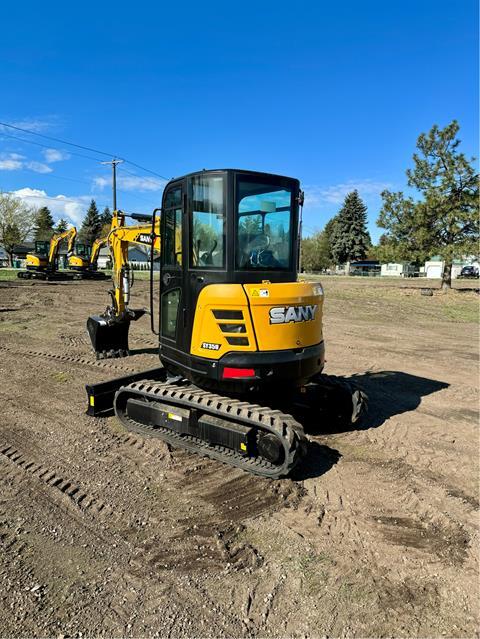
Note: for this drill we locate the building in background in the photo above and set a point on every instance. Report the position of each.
(3, 257)
(365, 268)
(398, 269)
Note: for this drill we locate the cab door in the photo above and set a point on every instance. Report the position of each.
(171, 270)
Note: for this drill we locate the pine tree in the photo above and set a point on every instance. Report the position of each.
(106, 216)
(350, 239)
(445, 221)
(106, 221)
(91, 225)
(43, 224)
(61, 227)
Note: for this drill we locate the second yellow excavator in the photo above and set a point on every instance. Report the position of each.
(83, 262)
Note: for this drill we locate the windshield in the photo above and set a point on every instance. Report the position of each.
(83, 250)
(41, 247)
(264, 230)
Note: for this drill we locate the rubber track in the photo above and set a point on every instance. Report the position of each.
(284, 426)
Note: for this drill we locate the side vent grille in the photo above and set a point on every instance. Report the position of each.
(237, 341)
(233, 328)
(228, 315)
(232, 323)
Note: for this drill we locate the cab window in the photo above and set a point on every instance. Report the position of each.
(172, 229)
(264, 226)
(207, 220)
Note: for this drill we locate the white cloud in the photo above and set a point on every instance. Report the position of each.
(132, 183)
(101, 182)
(38, 167)
(335, 194)
(32, 124)
(71, 208)
(10, 164)
(55, 155)
(15, 162)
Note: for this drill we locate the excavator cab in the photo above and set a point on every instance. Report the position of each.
(79, 260)
(39, 258)
(83, 250)
(232, 313)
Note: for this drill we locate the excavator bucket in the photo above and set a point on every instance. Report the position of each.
(109, 335)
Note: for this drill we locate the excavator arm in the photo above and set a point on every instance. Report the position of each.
(96, 246)
(109, 331)
(119, 239)
(71, 234)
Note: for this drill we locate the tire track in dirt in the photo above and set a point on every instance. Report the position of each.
(67, 358)
(192, 548)
(137, 563)
(70, 489)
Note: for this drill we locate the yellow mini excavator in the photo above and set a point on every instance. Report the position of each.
(240, 338)
(43, 263)
(83, 262)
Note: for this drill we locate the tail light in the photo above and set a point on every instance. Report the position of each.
(238, 373)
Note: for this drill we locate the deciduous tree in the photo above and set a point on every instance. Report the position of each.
(317, 249)
(16, 222)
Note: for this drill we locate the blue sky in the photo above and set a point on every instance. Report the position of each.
(334, 93)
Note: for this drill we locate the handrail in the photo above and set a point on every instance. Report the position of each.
(152, 236)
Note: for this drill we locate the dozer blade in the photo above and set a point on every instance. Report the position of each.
(109, 336)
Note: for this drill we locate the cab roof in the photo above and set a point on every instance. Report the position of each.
(243, 171)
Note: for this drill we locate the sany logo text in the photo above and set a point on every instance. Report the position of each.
(287, 314)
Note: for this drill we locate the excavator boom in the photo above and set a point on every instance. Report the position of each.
(71, 235)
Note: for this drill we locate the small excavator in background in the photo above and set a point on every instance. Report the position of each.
(84, 260)
(240, 337)
(43, 263)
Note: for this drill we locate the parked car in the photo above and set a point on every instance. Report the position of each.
(469, 271)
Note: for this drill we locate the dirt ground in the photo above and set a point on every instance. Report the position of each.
(105, 534)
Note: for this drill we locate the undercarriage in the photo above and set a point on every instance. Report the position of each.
(261, 439)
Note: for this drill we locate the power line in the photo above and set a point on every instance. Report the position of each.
(80, 146)
(55, 175)
(47, 146)
(142, 168)
(49, 137)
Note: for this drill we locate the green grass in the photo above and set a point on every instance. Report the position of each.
(7, 274)
(380, 304)
(61, 377)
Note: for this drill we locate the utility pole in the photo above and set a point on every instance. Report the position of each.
(114, 163)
